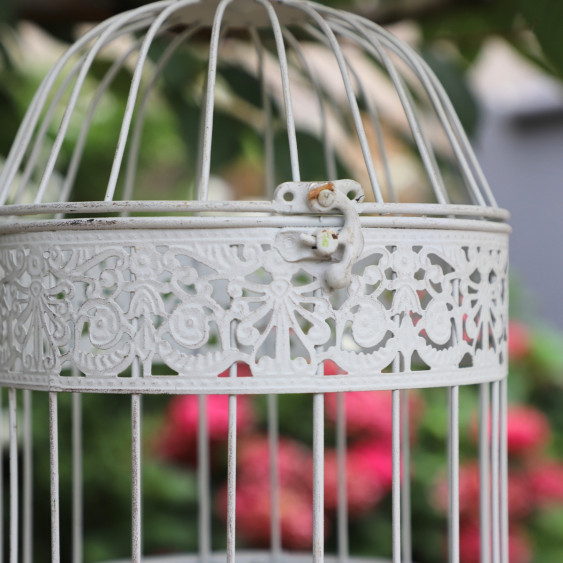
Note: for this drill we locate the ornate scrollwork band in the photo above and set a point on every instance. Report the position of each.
(79, 309)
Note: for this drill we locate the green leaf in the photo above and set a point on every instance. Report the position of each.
(450, 74)
(169, 484)
(545, 17)
(546, 354)
(9, 115)
(120, 85)
(469, 24)
(549, 522)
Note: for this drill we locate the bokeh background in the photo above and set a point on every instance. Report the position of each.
(501, 62)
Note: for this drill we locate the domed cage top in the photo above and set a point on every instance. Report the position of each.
(400, 284)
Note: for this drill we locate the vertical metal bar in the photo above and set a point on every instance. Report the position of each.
(269, 150)
(205, 101)
(495, 492)
(330, 160)
(159, 19)
(406, 480)
(275, 523)
(77, 492)
(12, 402)
(203, 481)
(133, 153)
(54, 467)
(318, 478)
(232, 469)
(78, 151)
(204, 158)
(27, 478)
(376, 126)
(503, 472)
(232, 479)
(286, 89)
(484, 473)
(269, 156)
(342, 515)
(372, 45)
(396, 487)
(201, 135)
(1, 476)
(453, 473)
(136, 522)
(352, 101)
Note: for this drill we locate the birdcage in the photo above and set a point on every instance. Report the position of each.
(390, 263)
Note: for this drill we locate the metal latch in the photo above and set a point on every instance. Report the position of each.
(341, 247)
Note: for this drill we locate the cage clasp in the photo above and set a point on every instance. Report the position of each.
(343, 247)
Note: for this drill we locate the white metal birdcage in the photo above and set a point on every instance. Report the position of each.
(402, 287)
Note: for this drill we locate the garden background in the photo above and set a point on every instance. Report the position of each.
(464, 42)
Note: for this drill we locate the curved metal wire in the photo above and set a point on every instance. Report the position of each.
(268, 134)
(71, 104)
(446, 115)
(452, 127)
(133, 92)
(335, 46)
(81, 142)
(424, 148)
(373, 115)
(330, 161)
(323, 24)
(134, 146)
(33, 114)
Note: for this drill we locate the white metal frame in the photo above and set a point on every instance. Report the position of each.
(43, 252)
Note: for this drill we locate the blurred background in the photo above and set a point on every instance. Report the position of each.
(501, 62)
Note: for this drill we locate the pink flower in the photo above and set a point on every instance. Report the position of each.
(468, 492)
(520, 496)
(519, 341)
(253, 514)
(253, 500)
(178, 441)
(243, 370)
(369, 413)
(367, 478)
(470, 542)
(295, 462)
(373, 457)
(546, 483)
(520, 499)
(527, 430)
(331, 368)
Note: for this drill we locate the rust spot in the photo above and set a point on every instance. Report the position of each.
(314, 193)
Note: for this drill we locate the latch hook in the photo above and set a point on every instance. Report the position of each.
(326, 197)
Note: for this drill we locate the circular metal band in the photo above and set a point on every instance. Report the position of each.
(189, 303)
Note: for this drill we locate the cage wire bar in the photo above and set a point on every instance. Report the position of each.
(410, 293)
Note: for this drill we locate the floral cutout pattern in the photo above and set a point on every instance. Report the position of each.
(186, 305)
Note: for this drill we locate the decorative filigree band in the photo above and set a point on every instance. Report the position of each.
(185, 304)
